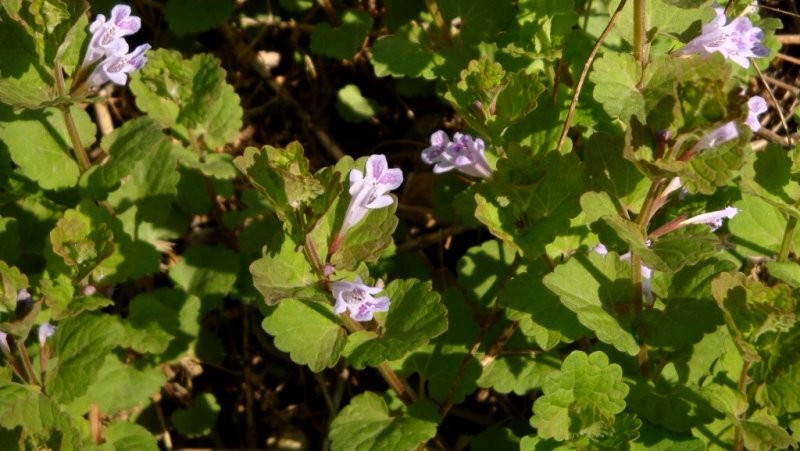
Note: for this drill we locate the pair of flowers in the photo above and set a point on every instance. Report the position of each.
(109, 51)
(46, 330)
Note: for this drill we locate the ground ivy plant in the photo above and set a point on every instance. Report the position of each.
(637, 286)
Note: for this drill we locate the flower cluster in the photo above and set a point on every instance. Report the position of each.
(736, 41)
(368, 190)
(463, 153)
(358, 299)
(109, 50)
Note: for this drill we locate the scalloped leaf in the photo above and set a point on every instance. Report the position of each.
(126, 436)
(38, 417)
(518, 374)
(80, 346)
(285, 274)
(309, 331)
(416, 315)
(582, 399)
(344, 41)
(598, 289)
(188, 96)
(367, 424)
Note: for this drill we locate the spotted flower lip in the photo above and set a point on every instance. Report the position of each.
(463, 153)
(116, 68)
(369, 189)
(358, 299)
(737, 41)
(107, 34)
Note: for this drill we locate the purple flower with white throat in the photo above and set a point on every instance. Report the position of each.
(737, 41)
(713, 219)
(107, 35)
(464, 154)
(116, 68)
(755, 106)
(358, 299)
(369, 190)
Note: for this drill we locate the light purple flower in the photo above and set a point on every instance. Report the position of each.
(369, 190)
(4, 344)
(23, 295)
(359, 299)
(719, 135)
(464, 154)
(46, 331)
(736, 41)
(106, 35)
(713, 219)
(755, 106)
(115, 68)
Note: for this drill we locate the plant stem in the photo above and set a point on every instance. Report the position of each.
(640, 30)
(585, 71)
(738, 443)
(438, 19)
(788, 238)
(72, 130)
(26, 362)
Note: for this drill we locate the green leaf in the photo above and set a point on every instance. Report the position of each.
(758, 228)
(675, 17)
(80, 346)
(481, 20)
(188, 96)
(366, 424)
(415, 316)
(598, 289)
(199, 419)
(788, 272)
(206, 271)
(136, 140)
(120, 386)
(345, 40)
(762, 432)
(624, 91)
(9, 240)
(368, 239)
(611, 172)
(530, 204)
(652, 438)
(484, 270)
(518, 374)
(39, 144)
(59, 296)
(448, 370)
(282, 177)
(11, 281)
(192, 16)
(41, 419)
(285, 274)
(714, 168)
(25, 81)
(583, 399)
(309, 331)
(404, 54)
(354, 107)
(537, 309)
(125, 436)
(81, 247)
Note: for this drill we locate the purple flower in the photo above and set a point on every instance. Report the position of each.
(115, 68)
(719, 135)
(713, 219)
(359, 299)
(106, 35)
(4, 344)
(464, 154)
(46, 331)
(369, 190)
(755, 106)
(736, 41)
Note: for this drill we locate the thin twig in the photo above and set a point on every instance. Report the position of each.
(585, 71)
(777, 106)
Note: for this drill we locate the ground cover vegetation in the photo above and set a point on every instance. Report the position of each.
(399, 224)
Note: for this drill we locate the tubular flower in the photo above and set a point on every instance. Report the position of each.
(736, 41)
(369, 191)
(713, 218)
(358, 299)
(464, 154)
(109, 50)
(116, 68)
(755, 106)
(46, 331)
(719, 135)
